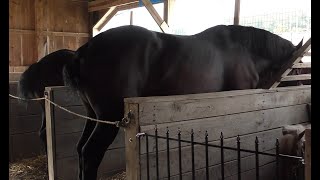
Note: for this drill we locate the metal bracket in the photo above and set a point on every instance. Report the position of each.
(126, 120)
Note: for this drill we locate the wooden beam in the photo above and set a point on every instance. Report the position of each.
(236, 12)
(105, 4)
(299, 77)
(105, 19)
(131, 17)
(41, 24)
(307, 165)
(157, 18)
(168, 9)
(301, 65)
(286, 69)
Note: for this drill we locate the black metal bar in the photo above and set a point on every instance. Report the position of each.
(277, 160)
(257, 158)
(192, 155)
(207, 156)
(168, 154)
(180, 163)
(239, 158)
(231, 148)
(147, 149)
(157, 157)
(222, 156)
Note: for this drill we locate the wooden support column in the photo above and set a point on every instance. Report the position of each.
(41, 25)
(104, 20)
(157, 18)
(236, 12)
(168, 9)
(307, 165)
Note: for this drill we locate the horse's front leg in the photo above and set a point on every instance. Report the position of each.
(93, 151)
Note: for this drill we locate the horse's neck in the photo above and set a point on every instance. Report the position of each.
(261, 64)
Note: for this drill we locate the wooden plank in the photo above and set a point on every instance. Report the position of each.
(25, 145)
(21, 31)
(41, 24)
(308, 154)
(131, 143)
(17, 68)
(114, 160)
(296, 77)
(50, 132)
(157, 18)
(23, 109)
(24, 124)
(14, 76)
(302, 65)
(66, 144)
(211, 94)
(105, 4)
(307, 54)
(70, 43)
(21, 14)
(168, 10)
(286, 68)
(236, 12)
(230, 125)
(267, 142)
(15, 50)
(28, 51)
(69, 123)
(64, 95)
(175, 111)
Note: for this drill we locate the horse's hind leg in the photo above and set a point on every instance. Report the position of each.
(88, 128)
(97, 144)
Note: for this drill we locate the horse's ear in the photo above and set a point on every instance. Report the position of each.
(300, 44)
(301, 135)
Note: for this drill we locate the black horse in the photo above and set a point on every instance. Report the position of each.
(131, 61)
(46, 72)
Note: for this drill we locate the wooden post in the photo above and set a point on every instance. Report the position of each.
(157, 18)
(308, 154)
(51, 148)
(168, 9)
(41, 24)
(131, 17)
(132, 143)
(236, 12)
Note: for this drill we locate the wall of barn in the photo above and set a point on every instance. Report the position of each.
(38, 27)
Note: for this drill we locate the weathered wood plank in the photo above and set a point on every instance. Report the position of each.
(296, 77)
(67, 168)
(230, 125)
(176, 111)
(308, 154)
(302, 65)
(15, 50)
(267, 142)
(103, 5)
(28, 50)
(14, 76)
(131, 143)
(66, 144)
(236, 12)
(23, 109)
(65, 96)
(25, 145)
(69, 123)
(211, 95)
(24, 124)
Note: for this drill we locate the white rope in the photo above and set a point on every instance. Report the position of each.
(79, 115)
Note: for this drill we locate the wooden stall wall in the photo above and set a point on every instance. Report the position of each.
(64, 131)
(24, 123)
(247, 113)
(38, 27)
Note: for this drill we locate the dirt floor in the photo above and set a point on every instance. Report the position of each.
(36, 169)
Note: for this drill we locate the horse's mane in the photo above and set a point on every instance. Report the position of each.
(258, 41)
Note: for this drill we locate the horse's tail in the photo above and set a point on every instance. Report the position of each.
(24, 89)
